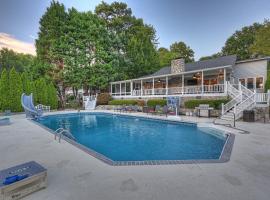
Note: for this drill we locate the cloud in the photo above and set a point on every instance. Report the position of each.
(10, 42)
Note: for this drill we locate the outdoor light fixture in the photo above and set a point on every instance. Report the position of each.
(159, 80)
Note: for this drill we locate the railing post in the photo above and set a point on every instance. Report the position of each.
(222, 108)
(202, 84)
(153, 87)
(141, 88)
(120, 89)
(183, 83)
(166, 85)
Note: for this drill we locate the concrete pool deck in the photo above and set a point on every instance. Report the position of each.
(73, 174)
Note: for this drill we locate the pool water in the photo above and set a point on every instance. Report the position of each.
(126, 138)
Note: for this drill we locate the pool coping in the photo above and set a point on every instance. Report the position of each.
(224, 157)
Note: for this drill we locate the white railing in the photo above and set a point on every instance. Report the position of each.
(43, 108)
(218, 88)
(246, 104)
(205, 89)
(174, 90)
(160, 91)
(231, 104)
(192, 89)
(262, 98)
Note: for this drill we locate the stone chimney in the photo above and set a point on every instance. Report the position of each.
(177, 65)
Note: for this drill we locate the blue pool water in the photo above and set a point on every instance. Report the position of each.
(124, 138)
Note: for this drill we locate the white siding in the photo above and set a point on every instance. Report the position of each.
(250, 69)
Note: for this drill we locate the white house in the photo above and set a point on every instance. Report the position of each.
(243, 81)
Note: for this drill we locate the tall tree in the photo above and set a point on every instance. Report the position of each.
(240, 42)
(9, 59)
(128, 31)
(51, 28)
(88, 56)
(52, 96)
(215, 55)
(48, 46)
(165, 57)
(15, 90)
(41, 92)
(181, 50)
(261, 45)
(4, 91)
(26, 84)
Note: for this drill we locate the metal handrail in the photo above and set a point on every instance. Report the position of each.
(60, 132)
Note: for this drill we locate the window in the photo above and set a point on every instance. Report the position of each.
(259, 83)
(242, 81)
(250, 83)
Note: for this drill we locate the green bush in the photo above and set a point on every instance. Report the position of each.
(123, 102)
(4, 91)
(267, 82)
(216, 104)
(154, 102)
(103, 98)
(15, 90)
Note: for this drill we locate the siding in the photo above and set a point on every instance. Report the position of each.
(250, 69)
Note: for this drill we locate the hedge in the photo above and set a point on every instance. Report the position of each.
(154, 102)
(267, 82)
(123, 102)
(216, 104)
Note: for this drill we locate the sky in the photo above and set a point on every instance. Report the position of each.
(204, 25)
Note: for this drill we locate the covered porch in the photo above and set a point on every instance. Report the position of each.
(210, 82)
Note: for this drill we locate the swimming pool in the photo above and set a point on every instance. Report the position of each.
(122, 139)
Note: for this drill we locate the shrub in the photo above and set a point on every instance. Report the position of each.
(52, 96)
(123, 102)
(41, 91)
(267, 82)
(154, 102)
(103, 98)
(15, 90)
(216, 104)
(4, 91)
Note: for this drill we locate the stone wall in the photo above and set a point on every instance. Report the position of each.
(177, 66)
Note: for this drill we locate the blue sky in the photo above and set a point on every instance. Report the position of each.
(204, 25)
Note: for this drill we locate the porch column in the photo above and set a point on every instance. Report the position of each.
(111, 88)
(141, 88)
(166, 85)
(225, 82)
(120, 89)
(131, 88)
(202, 83)
(153, 87)
(125, 88)
(183, 82)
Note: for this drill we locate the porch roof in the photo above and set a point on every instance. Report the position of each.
(199, 65)
(206, 65)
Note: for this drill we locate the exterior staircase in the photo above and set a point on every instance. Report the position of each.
(241, 99)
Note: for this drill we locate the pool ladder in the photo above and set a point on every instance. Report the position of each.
(62, 132)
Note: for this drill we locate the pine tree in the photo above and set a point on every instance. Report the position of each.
(52, 96)
(4, 91)
(26, 83)
(41, 91)
(33, 91)
(15, 90)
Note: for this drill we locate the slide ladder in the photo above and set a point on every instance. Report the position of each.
(29, 108)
